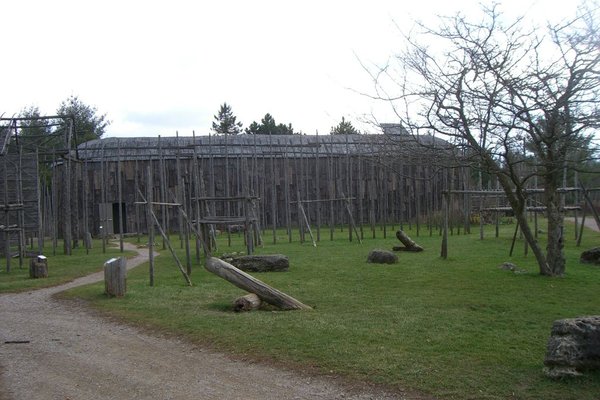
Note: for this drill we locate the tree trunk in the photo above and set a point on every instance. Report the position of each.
(518, 203)
(250, 284)
(554, 250)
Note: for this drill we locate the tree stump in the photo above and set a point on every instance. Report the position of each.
(409, 244)
(115, 277)
(573, 347)
(38, 267)
(248, 302)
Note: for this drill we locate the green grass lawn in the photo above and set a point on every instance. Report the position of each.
(61, 268)
(457, 329)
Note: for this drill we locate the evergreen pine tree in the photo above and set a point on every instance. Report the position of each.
(344, 128)
(225, 122)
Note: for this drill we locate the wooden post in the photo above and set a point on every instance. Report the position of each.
(360, 195)
(6, 217)
(196, 204)
(591, 204)
(40, 238)
(168, 244)
(576, 201)
(514, 239)
(299, 212)
(273, 192)
(307, 224)
(20, 210)
(372, 188)
(136, 184)
(67, 207)
(288, 213)
(581, 228)
(86, 217)
(103, 208)
(446, 206)
(318, 188)
(162, 176)
(120, 196)
(54, 204)
(115, 277)
(331, 186)
(149, 222)
(248, 226)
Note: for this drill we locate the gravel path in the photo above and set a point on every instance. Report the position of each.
(590, 222)
(69, 353)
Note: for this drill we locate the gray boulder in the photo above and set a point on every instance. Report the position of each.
(573, 347)
(378, 256)
(262, 263)
(591, 256)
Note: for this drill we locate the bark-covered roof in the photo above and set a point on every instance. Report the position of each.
(253, 145)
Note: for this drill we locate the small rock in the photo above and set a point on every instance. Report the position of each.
(507, 266)
(378, 256)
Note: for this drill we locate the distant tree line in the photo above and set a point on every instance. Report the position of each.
(226, 123)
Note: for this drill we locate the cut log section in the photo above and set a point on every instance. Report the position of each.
(252, 285)
(409, 244)
(248, 302)
(38, 267)
(115, 277)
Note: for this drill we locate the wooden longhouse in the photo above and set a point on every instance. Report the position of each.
(375, 178)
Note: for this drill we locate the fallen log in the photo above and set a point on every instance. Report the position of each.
(261, 263)
(248, 302)
(409, 244)
(252, 285)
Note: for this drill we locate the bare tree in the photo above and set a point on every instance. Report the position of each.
(518, 100)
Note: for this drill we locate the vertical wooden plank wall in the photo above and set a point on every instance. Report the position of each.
(384, 191)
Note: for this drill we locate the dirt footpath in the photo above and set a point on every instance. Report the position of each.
(590, 222)
(53, 350)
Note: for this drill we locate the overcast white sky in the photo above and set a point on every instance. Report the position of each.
(157, 67)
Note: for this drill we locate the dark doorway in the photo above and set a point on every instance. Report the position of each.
(117, 216)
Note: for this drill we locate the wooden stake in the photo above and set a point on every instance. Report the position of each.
(149, 223)
(168, 244)
(318, 188)
(120, 195)
(307, 224)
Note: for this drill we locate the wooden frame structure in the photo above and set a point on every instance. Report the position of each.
(26, 214)
(499, 209)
